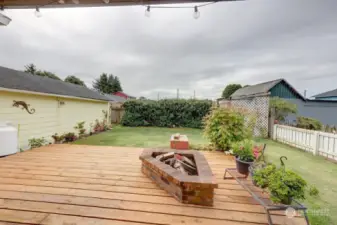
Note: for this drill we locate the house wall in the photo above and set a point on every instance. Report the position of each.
(50, 117)
(283, 91)
(323, 111)
(258, 105)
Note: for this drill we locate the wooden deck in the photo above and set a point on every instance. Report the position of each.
(80, 185)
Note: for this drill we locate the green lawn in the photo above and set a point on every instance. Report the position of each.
(142, 137)
(316, 170)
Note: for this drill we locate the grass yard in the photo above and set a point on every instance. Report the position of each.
(142, 137)
(316, 170)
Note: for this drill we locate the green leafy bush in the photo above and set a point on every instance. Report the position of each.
(225, 126)
(261, 176)
(309, 123)
(80, 128)
(58, 138)
(285, 185)
(313, 191)
(37, 142)
(282, 108)
(69, 137)
(165, 113)
(244, 150)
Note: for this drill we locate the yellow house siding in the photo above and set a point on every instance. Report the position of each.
(50, 116)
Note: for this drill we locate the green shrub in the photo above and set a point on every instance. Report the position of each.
(286, 185)
(261, 176)
(165, 113)
(80, 128)
(309, 123)
(313, 191)
(37, 142)
(244, 150)
(282, 108)
(69, 137)
(225, 126)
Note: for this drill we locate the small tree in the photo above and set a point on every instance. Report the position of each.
(74, 80)
(230, 89)
(30, 68)
(225, 126)
(282, 108)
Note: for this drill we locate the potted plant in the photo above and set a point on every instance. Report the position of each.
(244, 157)
(261, 174)
(286, 185)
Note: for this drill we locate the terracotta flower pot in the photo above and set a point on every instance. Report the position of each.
(242, 166)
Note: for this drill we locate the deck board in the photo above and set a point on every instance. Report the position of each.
(71, 184)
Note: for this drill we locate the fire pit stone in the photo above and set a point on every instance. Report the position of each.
(192, 187)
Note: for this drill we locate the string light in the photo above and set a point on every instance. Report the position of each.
(147, 12)
(196, 13)
(106, 1)
(38, 14)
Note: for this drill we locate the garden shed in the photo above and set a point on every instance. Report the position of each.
(40, 106)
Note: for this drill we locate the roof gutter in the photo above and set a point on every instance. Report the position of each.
(50, 95)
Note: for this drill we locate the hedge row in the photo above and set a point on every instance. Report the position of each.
(166, 113)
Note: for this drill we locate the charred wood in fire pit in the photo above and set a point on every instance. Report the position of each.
(165, 156)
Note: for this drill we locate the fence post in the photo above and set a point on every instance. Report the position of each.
(316, 143)
(274, 132)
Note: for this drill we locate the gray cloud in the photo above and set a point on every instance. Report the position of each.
(245, 42)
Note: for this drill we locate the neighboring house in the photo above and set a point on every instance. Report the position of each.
(123, 95)
(53, 106)
(255, 97)
(329, 96)
(115, 99)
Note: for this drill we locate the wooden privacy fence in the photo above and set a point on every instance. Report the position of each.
(116, 112)
(316, 142)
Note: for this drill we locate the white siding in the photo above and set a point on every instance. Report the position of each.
(50, 117)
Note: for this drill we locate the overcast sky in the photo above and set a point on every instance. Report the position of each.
(238, 42)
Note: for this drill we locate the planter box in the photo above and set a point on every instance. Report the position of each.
(180, 144)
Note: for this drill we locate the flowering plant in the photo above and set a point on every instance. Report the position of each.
(246, 150)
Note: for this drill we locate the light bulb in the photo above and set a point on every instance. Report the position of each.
(38, 14)
(61, 1)
(106, 1)
(196, 13)
(148, 12)
(76, 2)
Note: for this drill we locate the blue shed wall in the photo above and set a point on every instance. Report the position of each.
(326, 112)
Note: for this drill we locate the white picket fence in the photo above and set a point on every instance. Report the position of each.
(316, 142)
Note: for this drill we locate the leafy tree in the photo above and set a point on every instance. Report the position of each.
(230, 89)
(74, 80)
(117, 85)
(111, 83)
(101, 84)
(107, 84)
(47, 74)
(30, 68)
(282, 107)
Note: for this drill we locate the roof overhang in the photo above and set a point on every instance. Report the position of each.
(21, 4)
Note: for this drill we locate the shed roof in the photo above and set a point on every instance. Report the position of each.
(262, 89)
(257, 89)
(332, 93)
(18, 80)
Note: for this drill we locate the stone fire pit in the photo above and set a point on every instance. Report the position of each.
(187, 186)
